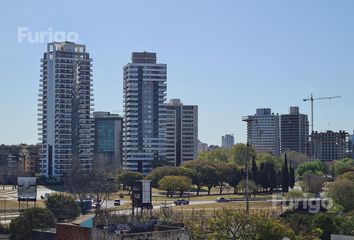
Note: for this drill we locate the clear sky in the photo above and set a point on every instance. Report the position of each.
(228, 57)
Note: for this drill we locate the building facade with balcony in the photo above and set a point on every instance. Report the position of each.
(294, 131)
(144, 124)
(263, 131)
(181, 132)
(65, 121)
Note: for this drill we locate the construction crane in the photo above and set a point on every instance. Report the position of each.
(312, 99)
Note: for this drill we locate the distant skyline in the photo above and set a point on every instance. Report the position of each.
(228, 57)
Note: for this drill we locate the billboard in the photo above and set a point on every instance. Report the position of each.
(141, 194)
(27, 189)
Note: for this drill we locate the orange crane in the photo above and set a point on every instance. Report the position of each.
(312, 99)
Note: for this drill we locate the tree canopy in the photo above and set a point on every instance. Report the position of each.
(31, 218)
(64, 207)
(343, 166)
(175, 183)
(158, 173)
(342, 192)
(312, 167)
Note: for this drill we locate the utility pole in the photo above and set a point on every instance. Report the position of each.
(249, 120)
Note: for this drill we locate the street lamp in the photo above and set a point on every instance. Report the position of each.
(248, 120)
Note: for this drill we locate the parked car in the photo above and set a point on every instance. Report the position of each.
(181, 202)
(116, 202)
(221, 199)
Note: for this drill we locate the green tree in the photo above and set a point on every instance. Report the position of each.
(342, 192)
(254, 171)
(128, 179)
(215, 155)
(31, 218)
(222, 172)
(64, 207)
(313, 167)
(270, 159)
(201, 172)
(252, 187)
(158, 173)
(296, 158)
(239, 153)
(235, 224)
(347, 175)
(312, 183)
(344, 165)
(234, 177)
(294, 194)
(291, 177)
(285, 176)
(172, 184)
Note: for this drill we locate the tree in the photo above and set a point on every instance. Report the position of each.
(294, 194)
(291, 176)
(222, 171)
(215, 155)
(296, 158)
(254, 171)
(344, 165)
(313, 167)
(96, 185)
(347, 175)
(234, 176)
(128, 179)
(175, 183)
(268, 175)
(235, 224)
(252, 187)
(271, 159)
(201, 172)
(285, 176)
(342, 192)
(31, 218)
(158, 173)
(239, 153)
(64, 207)
(312, 183)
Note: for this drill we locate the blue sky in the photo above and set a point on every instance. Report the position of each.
(228, 57)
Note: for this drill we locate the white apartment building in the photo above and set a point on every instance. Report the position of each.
(65, 107)
(181, 132)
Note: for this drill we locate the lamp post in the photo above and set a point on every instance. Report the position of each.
(248, 120)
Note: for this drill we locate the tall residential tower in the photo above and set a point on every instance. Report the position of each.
(227, 141)
(144, 123)
(181, 132)
(294, 130)
(65, 108)
(263, 131)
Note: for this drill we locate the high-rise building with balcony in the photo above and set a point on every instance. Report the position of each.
(263, 131)
(227, 141)
(144, 124)
(108, 141)
(294, 131)
(181, 132)
(65, 110)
